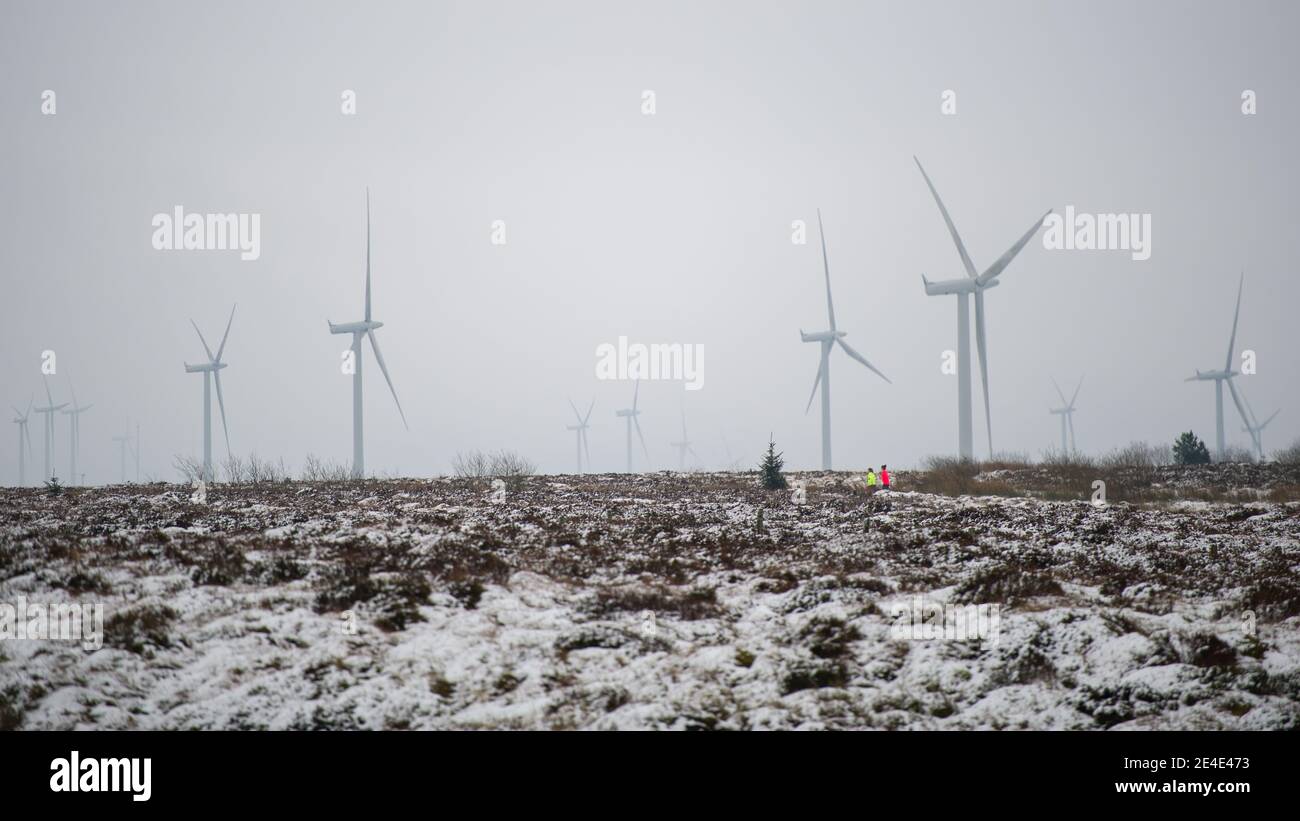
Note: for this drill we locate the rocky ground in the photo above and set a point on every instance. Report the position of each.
(653, 601)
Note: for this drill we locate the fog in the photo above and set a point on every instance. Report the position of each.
(671, 227)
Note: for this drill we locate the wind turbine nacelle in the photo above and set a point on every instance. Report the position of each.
(624, 413)
(820, 336)
(211, 366)
(354, 327)
(964, 285)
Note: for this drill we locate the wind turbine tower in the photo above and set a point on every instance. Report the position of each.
(48, 411)
(1222, 376)
(963, 288)
(580, 432)
(74, 433)
(365, 328)
(211, 371)
(828, 339)
(24, 435)
(631, 414)
(1066, 412)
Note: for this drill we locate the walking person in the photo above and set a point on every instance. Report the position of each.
(884, 476)
(871, 481)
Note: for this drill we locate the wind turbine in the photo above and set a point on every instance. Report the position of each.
(48, 412)
(580, 432)
(211, 371)
(1066, 412)
(630, 414)
(24, 434)
(364, 328)
(122, 442)
(1222, 376)
(829, 339)
(1256, 428)
(684, 447)
(962, 288)
(74, 433)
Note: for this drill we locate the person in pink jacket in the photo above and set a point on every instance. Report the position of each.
(884, 477)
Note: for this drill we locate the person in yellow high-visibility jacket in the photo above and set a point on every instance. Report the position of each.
(871, 481)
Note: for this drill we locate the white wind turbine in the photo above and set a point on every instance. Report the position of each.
(48, 411)
(684, 447)
(962, 288)
(580, 432)
(1222, 376)
(74, 433)
(122, 442)
(1256, 428)
(1066, 412)
(364, 328)
(211, 371)
(829, 339)
(24, 435)
(631, 414)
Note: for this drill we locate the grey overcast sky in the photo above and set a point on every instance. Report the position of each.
(674, 227)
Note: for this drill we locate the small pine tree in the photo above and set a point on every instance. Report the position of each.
(1190, 450)
(53, 486)
(769, 470)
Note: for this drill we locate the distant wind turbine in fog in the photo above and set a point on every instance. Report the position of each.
(211, 371)
(48, 411)
(829, 339)
(1066, 412)
(1256, 428)
(24, 435)
(684, 447)
(732, 462)
(74, 433)
(364, 328)
(1225, 375)
(122, 442)
(631, 414)
(963, 287)
(580, 432)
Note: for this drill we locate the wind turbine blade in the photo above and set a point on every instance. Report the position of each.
(952, 229)
(636, 391)
(576, 415)
(45, 380)
(644, 450)
(1069, 421)
(216, 376)
(589, 409)
(826, 266)
(1005, 260)
(1232, 341)
(982, 345)
(1076, 393)
(204, 341)
(816, 382)
(379, 357)
(1236, 400)
(1264, 424)
(1060, 394)
(367, 253)
(848, 350)
(222, 346)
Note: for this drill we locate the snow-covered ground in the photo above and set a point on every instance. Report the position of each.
(653, 601)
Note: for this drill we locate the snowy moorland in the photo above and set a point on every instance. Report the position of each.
(643, 602)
